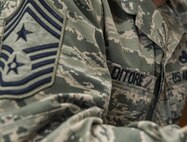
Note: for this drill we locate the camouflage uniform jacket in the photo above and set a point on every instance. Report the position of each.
(69, 68)
(173, 101)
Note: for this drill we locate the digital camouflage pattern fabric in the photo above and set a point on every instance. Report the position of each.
(79, 70)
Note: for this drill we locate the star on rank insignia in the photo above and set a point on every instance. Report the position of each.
(23, 33)
(13, 66)
(30, 49)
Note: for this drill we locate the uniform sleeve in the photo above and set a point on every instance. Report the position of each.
(81, 128)
(1, 5)
(71, 107)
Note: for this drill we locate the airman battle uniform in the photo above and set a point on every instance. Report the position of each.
(173, 101)
(70, 68)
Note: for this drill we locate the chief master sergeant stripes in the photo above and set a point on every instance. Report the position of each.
(27, 66)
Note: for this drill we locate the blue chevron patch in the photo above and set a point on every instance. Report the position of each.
(30, 49)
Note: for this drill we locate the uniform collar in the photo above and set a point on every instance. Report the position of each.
(151, 22)
(148, 19)
(175, 30)
(130, 6)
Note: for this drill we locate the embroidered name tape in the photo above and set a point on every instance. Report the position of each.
(30, 48)
(176, 77)
(131, 76)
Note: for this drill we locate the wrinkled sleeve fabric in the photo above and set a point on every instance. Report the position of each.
(73, 108)
(91, 129)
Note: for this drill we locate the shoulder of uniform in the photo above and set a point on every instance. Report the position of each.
(8, 7)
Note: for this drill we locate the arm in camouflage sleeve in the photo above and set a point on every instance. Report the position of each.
(82, 82)
(86, 126)
(1, 6)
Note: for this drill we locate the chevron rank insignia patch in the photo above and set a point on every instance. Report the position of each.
(30, 49)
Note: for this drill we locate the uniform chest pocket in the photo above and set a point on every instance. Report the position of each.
(132, 93)
(176, 91)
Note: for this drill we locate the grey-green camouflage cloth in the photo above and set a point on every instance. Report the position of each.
(91, 71)
(180, 9)
(177, 10)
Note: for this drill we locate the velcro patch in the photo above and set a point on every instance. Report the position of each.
(30, 49)
(131, 76)
(176, 77)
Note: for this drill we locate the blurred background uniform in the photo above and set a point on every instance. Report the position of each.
(180, 8)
